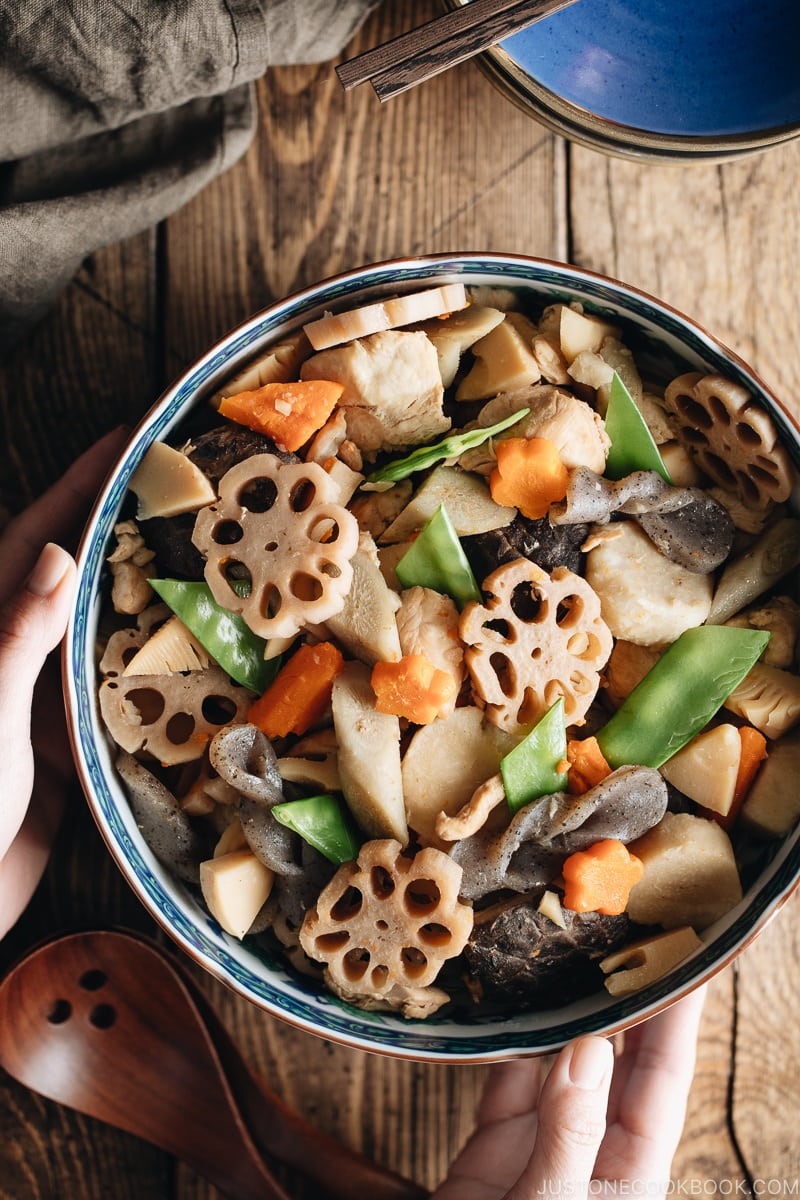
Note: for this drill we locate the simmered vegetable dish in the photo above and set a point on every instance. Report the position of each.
(456, 658)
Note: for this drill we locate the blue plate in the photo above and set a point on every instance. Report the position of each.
(661, 77)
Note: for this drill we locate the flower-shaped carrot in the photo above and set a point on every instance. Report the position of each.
(600, 878)
(529, 475)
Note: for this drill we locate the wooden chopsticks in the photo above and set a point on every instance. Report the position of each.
(442, 43)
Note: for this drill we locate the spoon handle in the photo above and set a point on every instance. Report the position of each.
(283, 1134)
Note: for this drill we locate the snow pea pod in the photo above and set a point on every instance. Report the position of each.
(449, 447)
(680, 694)
(320, 821)
(530, 770)
(632, 445)
(225, 636)
(437, 560)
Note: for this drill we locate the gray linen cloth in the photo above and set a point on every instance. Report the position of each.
(113, 113)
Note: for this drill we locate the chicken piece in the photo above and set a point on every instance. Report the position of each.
(130, 591)
(552, 363)
(393, 390)
(130, 567)
(427, 622)
(571, 424)
(376, 511)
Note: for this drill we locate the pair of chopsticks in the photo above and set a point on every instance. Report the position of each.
(440, 44)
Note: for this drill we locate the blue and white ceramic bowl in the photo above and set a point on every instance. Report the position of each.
(673, 79)
(666, 343)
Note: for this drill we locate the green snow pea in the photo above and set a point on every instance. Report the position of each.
(321, 821)
(436, 560)
(632, 445)
(680, 694)
(225, 636)
(530, 770)
(449, 447)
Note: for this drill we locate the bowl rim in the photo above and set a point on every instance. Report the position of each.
(784, 877)
(586, 128)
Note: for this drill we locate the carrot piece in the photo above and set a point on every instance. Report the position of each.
(529, 475)
(412, 688)
(299, 693)
(600, 878)
(587, 766)
(289, 413)
(754, 751)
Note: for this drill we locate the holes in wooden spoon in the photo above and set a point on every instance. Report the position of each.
(60, 1012)
(102, 1016)
(92, 981)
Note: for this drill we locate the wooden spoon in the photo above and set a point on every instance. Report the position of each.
(107, 1023)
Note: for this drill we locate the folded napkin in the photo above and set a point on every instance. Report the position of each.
(116, 112)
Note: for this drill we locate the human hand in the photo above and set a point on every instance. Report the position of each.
(595, 1117)
(37, 581)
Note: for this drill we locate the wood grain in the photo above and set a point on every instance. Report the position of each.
(766, 1081)
(722, 243)
(439, 45)
(88, 366)
(333, 181)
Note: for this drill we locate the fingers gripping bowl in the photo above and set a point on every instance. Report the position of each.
(444, 887)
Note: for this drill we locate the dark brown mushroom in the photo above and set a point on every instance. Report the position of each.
(523, 955)
(544, 544)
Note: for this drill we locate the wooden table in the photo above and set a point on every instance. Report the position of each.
(333, 181)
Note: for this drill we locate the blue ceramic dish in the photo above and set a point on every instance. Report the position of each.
(665, 343)
(666, 78)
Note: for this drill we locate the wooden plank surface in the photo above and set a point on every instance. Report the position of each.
(722, 243)
(332, 181)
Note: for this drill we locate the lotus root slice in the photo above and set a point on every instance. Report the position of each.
(277, 524)
(538, 637)
(385, 925)
(732, 438)
(173, 717)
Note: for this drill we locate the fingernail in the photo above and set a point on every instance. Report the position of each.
(51, 567)
(590, 1063)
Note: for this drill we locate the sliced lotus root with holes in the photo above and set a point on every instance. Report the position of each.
(277, 523)
(387, 922)
(173, 717)
(538, 637)
(414, 1003)
(731, 437)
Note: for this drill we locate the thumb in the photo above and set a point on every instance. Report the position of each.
(32, 623)
(572, 1122)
